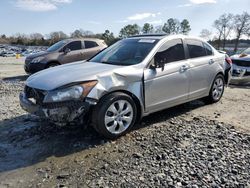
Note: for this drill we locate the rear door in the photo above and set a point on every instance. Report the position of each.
(73, 55)
(169, 86)
(202, 67)
(90, 49)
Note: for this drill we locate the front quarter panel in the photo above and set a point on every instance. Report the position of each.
(127, 79)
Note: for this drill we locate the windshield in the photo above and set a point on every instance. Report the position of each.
(126, 52)
(56, 46)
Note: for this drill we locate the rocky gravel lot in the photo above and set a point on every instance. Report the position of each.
(178, 147)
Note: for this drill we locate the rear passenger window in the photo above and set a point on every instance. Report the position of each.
(76, 45)
(195, 48)
(90, 44)
(208, 48)
(171, 51)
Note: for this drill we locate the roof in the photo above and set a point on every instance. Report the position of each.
(75, 39)
(155, 36)
(162, 36)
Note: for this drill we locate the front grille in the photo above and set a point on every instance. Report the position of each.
(241, 63)
(35, 94)
(69, 104)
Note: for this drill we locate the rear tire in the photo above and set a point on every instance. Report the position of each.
(217, 90)
(114, 115)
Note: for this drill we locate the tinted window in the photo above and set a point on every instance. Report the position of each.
(126, 52)
(76, 45)
(195, 48)
(90, 44)
(208, 48)
(171, 51)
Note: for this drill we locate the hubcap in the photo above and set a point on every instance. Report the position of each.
(218, 88)
(118, 116)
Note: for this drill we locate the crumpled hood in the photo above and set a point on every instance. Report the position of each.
(238, 57)
(55, 77)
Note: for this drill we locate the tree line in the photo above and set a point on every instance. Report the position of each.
(172, 26)
(229, 26)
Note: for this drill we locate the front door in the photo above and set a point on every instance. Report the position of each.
(167, 86)
(73, 55)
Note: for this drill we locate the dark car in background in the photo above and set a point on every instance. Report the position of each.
(65, 51)
(241, 67)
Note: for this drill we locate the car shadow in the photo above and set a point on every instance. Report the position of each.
(27, 140)
(16, 78)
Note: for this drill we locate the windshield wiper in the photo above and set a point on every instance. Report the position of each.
(106, 62)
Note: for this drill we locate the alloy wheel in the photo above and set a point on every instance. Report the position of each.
(118, 116)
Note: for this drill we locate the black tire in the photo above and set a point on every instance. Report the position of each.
(101, 111)
(211, 98)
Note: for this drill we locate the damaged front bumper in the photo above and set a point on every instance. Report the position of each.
(60, 112)
(240, 76)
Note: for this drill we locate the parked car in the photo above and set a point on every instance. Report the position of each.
(65, 51)
(241, 67)
(8, 54)
(130, 79)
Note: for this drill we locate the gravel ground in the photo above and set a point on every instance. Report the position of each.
(173, 148)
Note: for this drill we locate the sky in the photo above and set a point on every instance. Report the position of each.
(45, 16)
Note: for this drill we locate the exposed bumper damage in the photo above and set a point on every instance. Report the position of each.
(59, 113)
(70, 111)
(240, 74)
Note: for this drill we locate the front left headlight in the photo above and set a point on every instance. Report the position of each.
(37, 60)
(70, 93)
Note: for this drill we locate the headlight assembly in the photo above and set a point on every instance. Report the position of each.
(70, 93)
(37, 60)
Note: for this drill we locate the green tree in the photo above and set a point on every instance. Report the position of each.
(3, 36)
(129, 30)
(172, 26)
(108, 37)
(185, 27)
(147, 28)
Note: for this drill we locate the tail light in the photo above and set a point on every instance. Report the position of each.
(228, 60)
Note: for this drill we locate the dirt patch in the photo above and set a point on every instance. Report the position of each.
(10, 66)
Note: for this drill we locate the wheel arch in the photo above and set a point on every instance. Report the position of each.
(218, 73)
(51, 62)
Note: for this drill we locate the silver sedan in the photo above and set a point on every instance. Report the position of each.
(130, 79)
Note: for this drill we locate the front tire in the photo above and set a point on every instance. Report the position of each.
(216, 90)
(114, 115)
(50, 65)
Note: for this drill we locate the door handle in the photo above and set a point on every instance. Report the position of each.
(211, 61)
(184, 68)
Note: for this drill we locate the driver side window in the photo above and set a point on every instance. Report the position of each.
(75, 45)
(171, 51)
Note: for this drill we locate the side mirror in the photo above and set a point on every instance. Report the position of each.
(66, 50)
